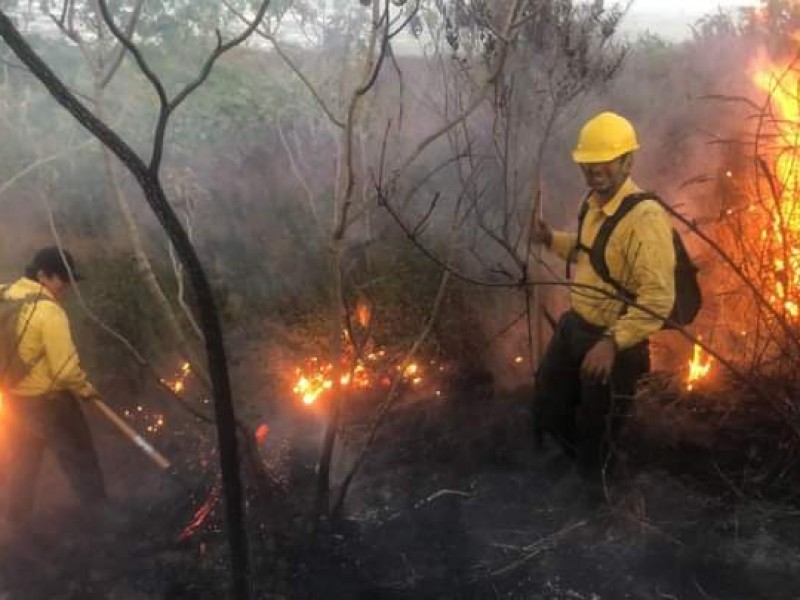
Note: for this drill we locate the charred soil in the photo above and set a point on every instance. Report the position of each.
(452, 502)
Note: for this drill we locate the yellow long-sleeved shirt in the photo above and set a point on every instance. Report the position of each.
(640, 256)
(46, 345)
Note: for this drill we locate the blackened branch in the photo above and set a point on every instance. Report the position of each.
(168, 106)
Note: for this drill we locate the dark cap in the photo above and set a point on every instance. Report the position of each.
(51, 262)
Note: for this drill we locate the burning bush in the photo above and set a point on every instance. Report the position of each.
(752, 266)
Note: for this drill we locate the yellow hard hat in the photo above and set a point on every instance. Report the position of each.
(605, 137)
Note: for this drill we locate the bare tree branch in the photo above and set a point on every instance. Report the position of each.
(292, 66)
(119, 51)
(40, 162)
(479, 98)
(168, 106)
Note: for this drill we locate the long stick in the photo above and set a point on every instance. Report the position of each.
(535, 320)
(131, 434)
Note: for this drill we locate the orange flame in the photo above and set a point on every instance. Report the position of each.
(311, 387)
(363, 312)
(699, 367)
(781, 232)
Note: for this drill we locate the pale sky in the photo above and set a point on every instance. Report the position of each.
(671, 18)
(693, 6)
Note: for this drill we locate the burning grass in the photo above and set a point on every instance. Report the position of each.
(373, 373)
(699, 367)
(755, 290)
(725, 438)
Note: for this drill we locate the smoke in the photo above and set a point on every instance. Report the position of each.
(253, 165)
(263, 159)
(676, 97)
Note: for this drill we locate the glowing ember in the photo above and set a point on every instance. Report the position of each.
(314, 378)
(178, 385)
(411, 369)
(261, 433)
(205, 510)
(699, 367)
(153, 422)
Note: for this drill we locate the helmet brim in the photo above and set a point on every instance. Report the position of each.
(584, 157)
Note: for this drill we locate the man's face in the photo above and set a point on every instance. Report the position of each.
(606, 178)
(54, 284)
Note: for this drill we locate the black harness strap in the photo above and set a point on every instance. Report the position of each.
(597, 252)
(579, 246)
(30, 298)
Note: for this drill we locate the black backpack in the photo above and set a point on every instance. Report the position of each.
(688, 297)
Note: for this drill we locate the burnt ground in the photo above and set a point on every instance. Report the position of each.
(468, 511)
(453, 503)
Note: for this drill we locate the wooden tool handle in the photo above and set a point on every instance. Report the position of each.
(131, 434)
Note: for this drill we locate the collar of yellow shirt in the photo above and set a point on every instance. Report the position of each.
(29, 287)
(609, 208)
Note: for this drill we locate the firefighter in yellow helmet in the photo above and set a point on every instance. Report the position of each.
(622, 250)
(41, 410)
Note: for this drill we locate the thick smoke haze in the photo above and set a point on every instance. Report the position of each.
(257, 165)
(252, 161)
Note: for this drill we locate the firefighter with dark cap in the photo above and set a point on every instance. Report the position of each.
(42, 408)
(599, 350)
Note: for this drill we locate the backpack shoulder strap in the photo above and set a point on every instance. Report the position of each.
(597, 254)
(579, 246)
(34, 300)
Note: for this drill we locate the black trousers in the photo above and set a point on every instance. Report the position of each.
(584, 417)
(53, 421)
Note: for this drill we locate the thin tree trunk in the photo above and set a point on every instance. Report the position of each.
(143, 264)
(322, 501)
(343, 199)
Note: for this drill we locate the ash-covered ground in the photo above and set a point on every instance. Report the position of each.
(452, 502)
(457, 506)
